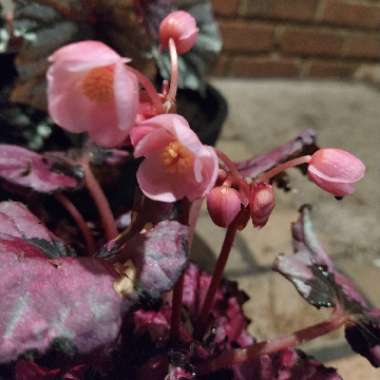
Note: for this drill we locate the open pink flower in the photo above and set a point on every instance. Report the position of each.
(91, 90)
(335, 170)
(176, 164)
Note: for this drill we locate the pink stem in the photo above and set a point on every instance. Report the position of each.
(97, 194)
(234, 172)
(149, 88)
(77, 216)
(280, 168)
(242, 355)
(174, 71)
(202, 323)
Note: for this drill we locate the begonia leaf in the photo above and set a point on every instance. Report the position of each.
(75, 303)
(29, 169)
(46, 301)
(16, 221)
(287, 364)
(304, 143)
(44, 27)
(159, 257)
(313, 274)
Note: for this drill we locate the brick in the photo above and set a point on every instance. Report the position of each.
(300, 10)
(327, 69)
(309, 42)
(247, 37)
(225, 7)
(343, 13)
(219, 69)
(362, 46)
(264, 67)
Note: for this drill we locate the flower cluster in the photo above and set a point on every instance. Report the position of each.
(91, 89)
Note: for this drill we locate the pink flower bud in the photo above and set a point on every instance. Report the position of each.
(180, 26)
(335, 171)
(261, 203)
(223, 204)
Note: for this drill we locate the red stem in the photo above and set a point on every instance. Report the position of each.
(234, 172)
(174, 71)
(149, 88)
(280, 168)
(97, 194)
(175, 323)
(77, 216)
(202, 323)
(241, 355)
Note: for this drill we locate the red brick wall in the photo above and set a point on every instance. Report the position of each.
(298, 38)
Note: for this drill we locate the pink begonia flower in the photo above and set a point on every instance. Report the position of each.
(91, 90)
(176, 164)
(335, 171)
(182, 28)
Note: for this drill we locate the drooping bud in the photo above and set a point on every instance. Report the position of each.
(261, 203)
(335, 171)
(182, 28)
(223, 204)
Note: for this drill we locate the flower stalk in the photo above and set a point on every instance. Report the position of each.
(97, 194)
(149, 88)
(172, 94)
(216, 279)
(242, 355)
(79, 220)
(266, 177)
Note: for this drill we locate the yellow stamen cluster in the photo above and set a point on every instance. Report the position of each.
(97, 84)
(176, 157)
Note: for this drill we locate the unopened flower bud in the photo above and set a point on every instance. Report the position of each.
(261, 203)
(182, 28)
(223, 204)
(335, 171)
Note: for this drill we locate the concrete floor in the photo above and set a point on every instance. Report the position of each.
(267, 113)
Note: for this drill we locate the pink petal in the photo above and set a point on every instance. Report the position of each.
(138, 132)
(336, 188)
(152, 142)
(103, 126)
(210, 167)
(336, 165)
(126, 93)
(178, 127)
(67, 105)
(157, 184)
(94, 53)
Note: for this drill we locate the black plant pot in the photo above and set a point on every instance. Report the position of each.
(205, 113)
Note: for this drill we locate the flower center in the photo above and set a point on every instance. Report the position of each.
(176, 157)
(97, 84)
